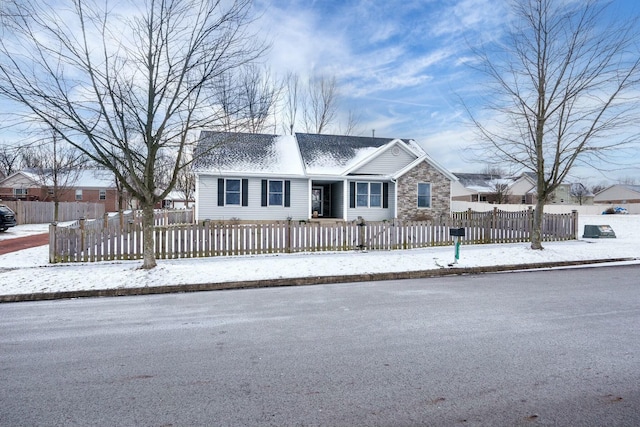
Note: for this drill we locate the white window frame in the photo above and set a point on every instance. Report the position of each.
(78, 193)
(369, 194)
(20, 192)
(227, 192)
(102, 195)
(358, 194)
(380, 195)
(275, 193)
(419, 196)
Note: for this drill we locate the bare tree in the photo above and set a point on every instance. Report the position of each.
(599, 187)
(186, 185)
(321, 103)
(501, 191)
(128, 86)
(292, 99)
(629, 180)
(562, 91)
(259, 93)
(227, 100)
(351, 125)
(10, 159)
(579, 193)
(58, 166)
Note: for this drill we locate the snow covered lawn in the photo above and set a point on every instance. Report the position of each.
(28, 271)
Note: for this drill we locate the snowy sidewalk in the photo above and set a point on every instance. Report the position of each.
(27, 272)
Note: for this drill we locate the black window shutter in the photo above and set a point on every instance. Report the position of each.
(352, 194)
(220, 192)
(245, 192)
(264, 192)
(385, 195)
(287, 194)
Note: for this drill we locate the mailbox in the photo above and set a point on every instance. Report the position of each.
(456, 232)
(598, 231)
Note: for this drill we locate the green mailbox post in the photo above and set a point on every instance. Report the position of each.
(456, 233)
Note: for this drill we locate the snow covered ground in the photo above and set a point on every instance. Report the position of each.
(28, 271)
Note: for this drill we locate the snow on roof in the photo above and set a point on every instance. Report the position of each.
(335, 154)
(224, 152)
(99, 178)
(85, 178)
(300, 154)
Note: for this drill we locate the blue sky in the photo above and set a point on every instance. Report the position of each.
(402, 65)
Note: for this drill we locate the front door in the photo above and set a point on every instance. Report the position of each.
(316, 201)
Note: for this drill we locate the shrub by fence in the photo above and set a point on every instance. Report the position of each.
(28, 212)
(120, 238)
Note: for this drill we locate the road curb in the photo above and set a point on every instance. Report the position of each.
(299, 281)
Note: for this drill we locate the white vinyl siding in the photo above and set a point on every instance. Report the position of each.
(387, 163)
(208, 208)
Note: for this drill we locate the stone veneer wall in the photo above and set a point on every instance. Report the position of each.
(407, 187)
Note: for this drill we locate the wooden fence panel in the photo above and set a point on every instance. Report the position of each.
(120, 236)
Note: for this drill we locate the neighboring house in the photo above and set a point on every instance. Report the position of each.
(492, 188)
(618, 194)
(303, 176)
(571, 194)
(523, 189)
(482, 187)
(87, 185)
(177, 200)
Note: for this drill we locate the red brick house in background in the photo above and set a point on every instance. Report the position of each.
(86, 185)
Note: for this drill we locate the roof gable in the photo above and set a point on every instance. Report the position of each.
(20, 179)
(337, 155)
(426, 159)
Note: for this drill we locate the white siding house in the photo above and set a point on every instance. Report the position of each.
(307, 176)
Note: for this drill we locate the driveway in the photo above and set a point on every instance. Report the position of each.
(20, 243)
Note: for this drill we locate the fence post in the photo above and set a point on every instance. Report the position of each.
(287, 237)
(361, 233)
(82, 239)
(574, 224)
(52, 242)
(105, 220)
(493, 231)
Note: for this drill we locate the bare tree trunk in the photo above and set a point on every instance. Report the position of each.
(536, 231)
(149, 258)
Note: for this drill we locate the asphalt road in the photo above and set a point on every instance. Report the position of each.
(555, 348)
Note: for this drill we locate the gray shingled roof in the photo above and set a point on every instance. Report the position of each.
(476, 179)
(246, 152)
(339, 149)
(224, 148)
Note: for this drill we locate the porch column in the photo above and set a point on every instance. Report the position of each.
(345, 199)
(309, 198)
